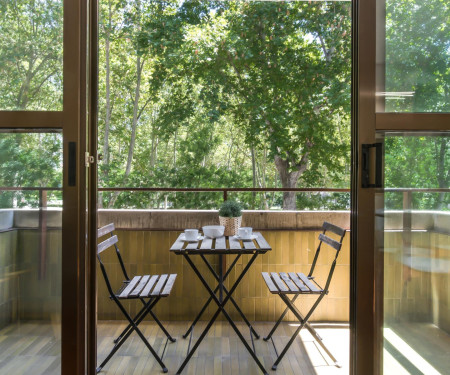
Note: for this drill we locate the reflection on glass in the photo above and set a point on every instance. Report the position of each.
(417, 254)
(30, 253)
(417, 56)
(31, 52)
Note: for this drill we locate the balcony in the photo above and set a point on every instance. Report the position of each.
(416, 294)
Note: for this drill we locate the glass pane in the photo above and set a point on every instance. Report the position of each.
(31, 53)
(415, 40)
(417, 254)
(30, 253)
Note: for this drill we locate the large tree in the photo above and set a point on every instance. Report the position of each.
(237, 94)
(282, 71)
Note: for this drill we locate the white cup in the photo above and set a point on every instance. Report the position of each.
(245, 233)
(191, 234)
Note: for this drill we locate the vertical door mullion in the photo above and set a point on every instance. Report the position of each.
(74, 210)
(367, 278)
(364, 350)
(92, 191)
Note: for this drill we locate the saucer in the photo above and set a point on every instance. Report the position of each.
(199, 238)
(252, 237)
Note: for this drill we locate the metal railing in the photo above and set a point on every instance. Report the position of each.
(224, 191)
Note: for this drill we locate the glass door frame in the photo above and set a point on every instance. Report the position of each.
(366, 302)
(366, 289)
(76, 201)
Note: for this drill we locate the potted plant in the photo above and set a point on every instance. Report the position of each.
(230, 216)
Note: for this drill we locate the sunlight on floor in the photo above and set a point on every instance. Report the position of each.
(337, 339)
(408, 353)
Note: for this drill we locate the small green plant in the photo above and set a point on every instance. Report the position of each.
(230, 209)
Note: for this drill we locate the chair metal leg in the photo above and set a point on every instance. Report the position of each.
(146, 309)
(149, 308)
(169, 337)
(274, 328)
(321, 343)
(134, 327)
(303, 321)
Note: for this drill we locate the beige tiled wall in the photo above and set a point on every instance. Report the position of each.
(25, 293)
(420, 293)
(147, 252)
(8, 278)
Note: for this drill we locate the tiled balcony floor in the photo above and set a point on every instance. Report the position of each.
(221, 352)
(411, 348)
(33, 347)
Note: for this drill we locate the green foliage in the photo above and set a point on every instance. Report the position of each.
(225, 87)
(225, 94)
(29, 160)
(323, 201)
(417, 161)
(418, 55)
(230, 209)
(31, 55)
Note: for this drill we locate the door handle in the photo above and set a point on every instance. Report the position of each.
(72, 177)
(366, 165)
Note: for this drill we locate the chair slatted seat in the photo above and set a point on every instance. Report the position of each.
(292, 283)
(295, 284)
(149, 289)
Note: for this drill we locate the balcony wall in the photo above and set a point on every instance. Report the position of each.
(30, 280)
(146, 236)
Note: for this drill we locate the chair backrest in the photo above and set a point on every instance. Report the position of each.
(109, 243)
(336, 245)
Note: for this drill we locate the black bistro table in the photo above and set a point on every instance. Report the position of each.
(221, 246)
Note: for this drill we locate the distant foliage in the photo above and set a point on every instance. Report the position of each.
(223, 94)
(211, 94)
(30, 160)
(31, 55)
(417, 161)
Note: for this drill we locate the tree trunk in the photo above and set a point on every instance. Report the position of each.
(289, 179)
(137, 93)
(153, 151)
(175, 150)
(108, 87)
(252, 150)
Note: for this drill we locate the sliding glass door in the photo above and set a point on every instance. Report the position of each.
(43, 205)
(401, 187)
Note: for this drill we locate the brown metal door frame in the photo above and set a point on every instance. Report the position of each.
(72, 121)
(366, 263)
(74, 295)
(92, 190)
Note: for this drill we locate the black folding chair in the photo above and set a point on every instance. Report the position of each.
(149, 289)
(297, 284)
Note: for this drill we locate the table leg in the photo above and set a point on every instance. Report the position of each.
(226, 291)
(210, 298)
(221, 307)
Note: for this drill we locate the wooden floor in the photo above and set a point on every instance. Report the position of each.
(33, 349)
(416, 348)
